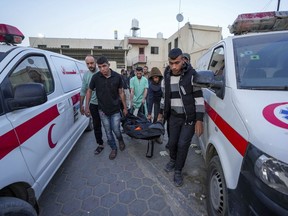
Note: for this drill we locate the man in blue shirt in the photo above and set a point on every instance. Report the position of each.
(139, 88)
(93, 106)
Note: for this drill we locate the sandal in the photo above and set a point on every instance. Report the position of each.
(113, 154)
(98, 150)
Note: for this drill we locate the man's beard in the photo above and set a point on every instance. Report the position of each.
(92, 69)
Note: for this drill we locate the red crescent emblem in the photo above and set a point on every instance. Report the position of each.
(51, 144)
(269, 115)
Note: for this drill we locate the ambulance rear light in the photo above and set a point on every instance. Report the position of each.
(260, 22)
(10, 34)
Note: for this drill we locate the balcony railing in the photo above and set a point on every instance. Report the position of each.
(141, 58)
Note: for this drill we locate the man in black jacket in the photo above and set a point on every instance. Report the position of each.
(182, 105)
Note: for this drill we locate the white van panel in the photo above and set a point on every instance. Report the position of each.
(68, 73)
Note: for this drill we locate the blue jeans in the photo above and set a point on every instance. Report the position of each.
(111, 123)
(180, 136)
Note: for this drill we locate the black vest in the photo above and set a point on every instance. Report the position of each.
(185, 91)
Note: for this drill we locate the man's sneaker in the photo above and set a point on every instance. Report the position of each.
(178, 179)
(121, 145)
(170, 166)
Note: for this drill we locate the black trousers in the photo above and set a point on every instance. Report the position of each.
(180, 136)
(96, 123)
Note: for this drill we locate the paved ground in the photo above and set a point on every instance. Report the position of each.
(88, 184)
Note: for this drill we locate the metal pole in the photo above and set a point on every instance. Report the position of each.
(278, 5)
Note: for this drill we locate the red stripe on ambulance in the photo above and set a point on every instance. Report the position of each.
(8, 142)
(239, 143)
(26, 130)
(75, 98)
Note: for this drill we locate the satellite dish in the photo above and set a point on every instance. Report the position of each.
(179, 17)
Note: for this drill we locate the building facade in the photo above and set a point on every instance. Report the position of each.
(136, 51)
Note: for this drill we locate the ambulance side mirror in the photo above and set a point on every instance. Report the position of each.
(206, 79)
(27, 95)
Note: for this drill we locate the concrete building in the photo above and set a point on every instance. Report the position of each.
(136, 51)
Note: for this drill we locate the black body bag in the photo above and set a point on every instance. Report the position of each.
(139, 127)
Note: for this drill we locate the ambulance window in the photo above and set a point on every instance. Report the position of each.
(217, 63)
(82, 68)
(33, 69)
(68, 72)
(261, 61)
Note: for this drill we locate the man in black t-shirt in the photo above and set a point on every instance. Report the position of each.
(109, 87)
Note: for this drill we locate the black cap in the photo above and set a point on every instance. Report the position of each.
(139, 69)
(174, 53)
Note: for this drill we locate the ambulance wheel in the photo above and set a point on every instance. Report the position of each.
(217, 190)
(90, 126)
(14, 207)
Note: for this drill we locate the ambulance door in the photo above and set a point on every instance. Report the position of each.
(10, 152)
(38, 128)
(71, 82)
(214, 97)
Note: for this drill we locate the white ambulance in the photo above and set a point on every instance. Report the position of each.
(245, 140)
(40, 120)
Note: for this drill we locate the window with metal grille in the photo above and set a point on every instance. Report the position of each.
(154, 50)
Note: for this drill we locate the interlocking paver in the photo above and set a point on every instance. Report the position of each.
(157, 190)
(59, 187)
(144, 192)
(99, 211)
(167, 212)
(131, 185)
(84, 193)
(77, 183)
(119, 210)
(103, 171)
(63, 196)
(148, 181)
(124, 176)
(101, 190)
(117, 169)
(108, 200)
(138, 207)
(51, 209)
(134, 183)
(71, 206)
(90, 203)
(94, 180)
(117, 186)
(151, 213)
(127, 196)
(131, 167)
(138, 173)
(109, 178)
(156, 203)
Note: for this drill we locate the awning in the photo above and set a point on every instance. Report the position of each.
(138, 41)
